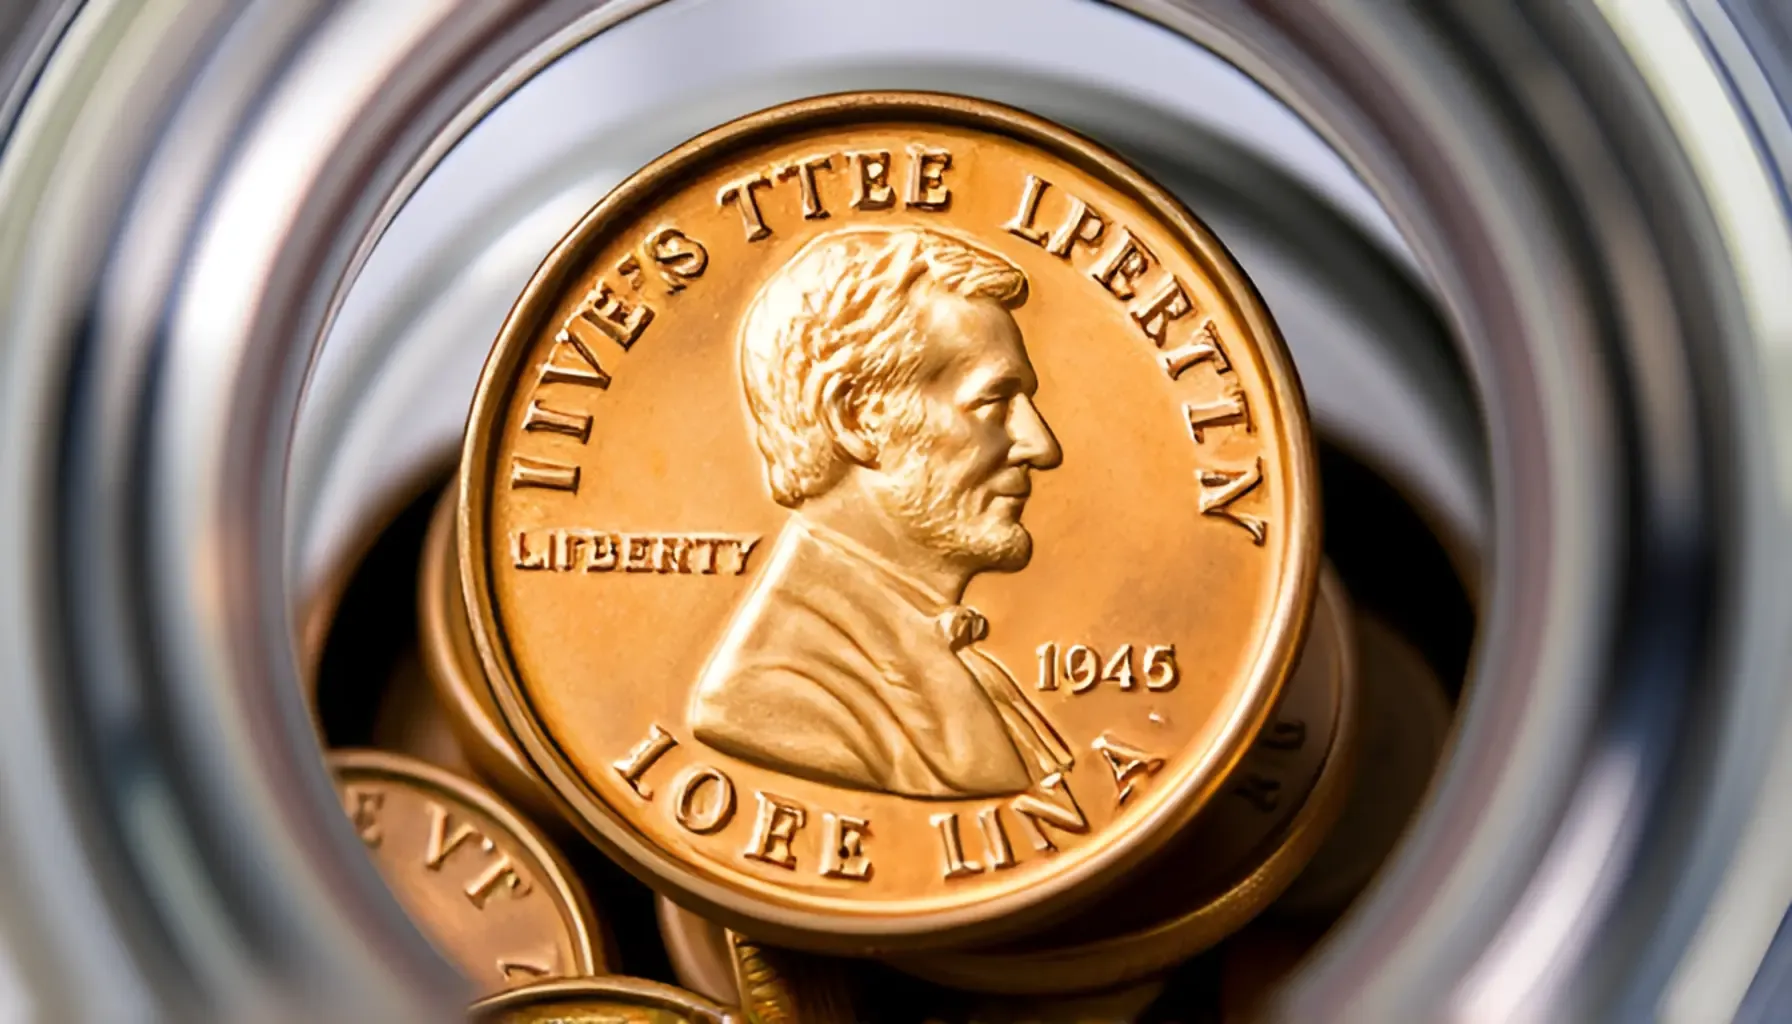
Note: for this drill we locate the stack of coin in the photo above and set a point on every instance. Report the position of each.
(757, 434)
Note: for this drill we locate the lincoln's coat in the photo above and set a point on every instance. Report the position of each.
(838, 667)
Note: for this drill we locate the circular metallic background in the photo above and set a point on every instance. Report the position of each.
(1531, 259)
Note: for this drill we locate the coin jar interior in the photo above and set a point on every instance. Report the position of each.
(1490, 272)
(1389, 397)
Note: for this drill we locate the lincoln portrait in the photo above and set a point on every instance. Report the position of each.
(892, 404)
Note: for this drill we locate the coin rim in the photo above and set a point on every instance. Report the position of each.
(1332, 896)
(651, 995)
(589, 929)
(789, 916)
(1139, 955)
(696, 947)
(457, 673)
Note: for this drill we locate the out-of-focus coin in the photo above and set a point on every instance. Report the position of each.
(1405, 722)
(768, 983)
(481, 883)
(612, 1000)
(358, 650)
(411, 720)
(699, 949)
(452, 662)
(759, 435)
(1232, 862)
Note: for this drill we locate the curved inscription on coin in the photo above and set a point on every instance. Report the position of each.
(1233, 862)
(489, 891)
(612, 1000)
(452, 662)
(763, 428)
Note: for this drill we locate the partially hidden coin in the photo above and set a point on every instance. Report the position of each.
(777, 984)
(1227, 868)
(699, 950)
(768, 983)
(742, 525)
(411, 720)
(452, 662)
(611, 1000)
(481, 882)
(1405, 723)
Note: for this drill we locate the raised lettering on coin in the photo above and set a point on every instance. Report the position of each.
(642, 757)
(843, 847)
(774, 830)
(957, 865)
(703, 799)
(1220, 488)
(487, 890)
(363, 804)
(1129, 764)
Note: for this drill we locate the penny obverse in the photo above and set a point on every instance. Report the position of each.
(886, 518)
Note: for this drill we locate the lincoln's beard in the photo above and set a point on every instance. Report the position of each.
(948, 505)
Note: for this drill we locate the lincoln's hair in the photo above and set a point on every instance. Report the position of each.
(840, 325)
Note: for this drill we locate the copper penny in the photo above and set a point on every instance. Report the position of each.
(481, 883)
(742, 526)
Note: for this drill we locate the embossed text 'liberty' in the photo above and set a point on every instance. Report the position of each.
(668, 554)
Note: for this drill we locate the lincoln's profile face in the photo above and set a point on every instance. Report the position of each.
(956, 479)
(891, 400)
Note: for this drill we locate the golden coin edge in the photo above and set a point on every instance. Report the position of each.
(457, 673)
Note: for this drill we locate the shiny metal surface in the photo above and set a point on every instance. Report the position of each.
(1591, 193)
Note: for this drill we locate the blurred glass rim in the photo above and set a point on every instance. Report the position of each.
(1629, 351)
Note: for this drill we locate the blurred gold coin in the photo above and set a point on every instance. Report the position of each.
(460, 684)
(1231, 863)
(612, 1000)
(762, 430)
(1405, 723)
(410, 719)
(481, 883)
(768, 983)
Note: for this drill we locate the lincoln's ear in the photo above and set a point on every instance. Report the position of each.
(850, 434)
